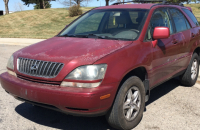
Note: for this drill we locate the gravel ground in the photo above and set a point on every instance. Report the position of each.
(171, 107)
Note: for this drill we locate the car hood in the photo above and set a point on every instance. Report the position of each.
(64, 50)
(71, 50)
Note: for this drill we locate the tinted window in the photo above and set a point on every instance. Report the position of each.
(180, 21)
(160, 18)
(191, 15)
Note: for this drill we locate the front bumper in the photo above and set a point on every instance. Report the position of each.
(75, 101)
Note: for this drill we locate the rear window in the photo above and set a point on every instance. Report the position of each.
(191, 15)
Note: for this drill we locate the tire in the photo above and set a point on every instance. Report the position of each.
(189, 78)
(118, 116)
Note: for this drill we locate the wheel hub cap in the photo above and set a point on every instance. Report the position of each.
(194, 69)
(132, 103)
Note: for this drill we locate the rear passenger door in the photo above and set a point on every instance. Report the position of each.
(183, 36)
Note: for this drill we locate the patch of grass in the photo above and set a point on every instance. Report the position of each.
(46, 23)
(195, 10)
(35, 23)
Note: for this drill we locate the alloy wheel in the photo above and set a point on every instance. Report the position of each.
(132, 103)
(194, 69)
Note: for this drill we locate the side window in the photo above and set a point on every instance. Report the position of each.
(90, 24)
(180, 21)
(191, 15)
(160, 18)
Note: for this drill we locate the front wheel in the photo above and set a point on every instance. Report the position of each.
(128, 107)
(190, 76)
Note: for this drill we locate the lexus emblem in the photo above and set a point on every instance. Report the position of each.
(34, 67)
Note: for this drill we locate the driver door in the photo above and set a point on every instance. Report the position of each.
(164, 55)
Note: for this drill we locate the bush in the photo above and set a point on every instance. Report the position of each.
(75, 10)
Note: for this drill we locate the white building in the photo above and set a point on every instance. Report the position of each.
(9, 12)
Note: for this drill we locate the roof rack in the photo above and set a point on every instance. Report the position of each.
(160, 2)
(139, 1)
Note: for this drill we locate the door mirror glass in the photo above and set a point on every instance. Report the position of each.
(161, 33)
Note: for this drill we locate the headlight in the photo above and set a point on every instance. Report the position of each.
(10, 64)
(88, 72)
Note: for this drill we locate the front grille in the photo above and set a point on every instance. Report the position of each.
(39, 68)
(39, 81)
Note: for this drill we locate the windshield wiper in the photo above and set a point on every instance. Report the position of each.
(91, 36)
(96, 36)
(104, 37)
(72, 35)
(66, 35)
(84, 36)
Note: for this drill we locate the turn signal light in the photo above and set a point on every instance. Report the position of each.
(105, 96)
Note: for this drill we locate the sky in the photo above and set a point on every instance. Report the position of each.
(13, 3)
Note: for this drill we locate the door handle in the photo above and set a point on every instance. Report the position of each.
(175, 41)
(193, 35)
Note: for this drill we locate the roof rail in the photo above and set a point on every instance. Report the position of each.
(160, 2)
(140, 1)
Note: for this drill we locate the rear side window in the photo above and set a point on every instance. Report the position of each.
(180, 21)
(191, 15)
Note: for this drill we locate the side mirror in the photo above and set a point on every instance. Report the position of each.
(160, 33)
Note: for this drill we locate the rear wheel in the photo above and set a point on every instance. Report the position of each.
(190, 76)
(128, 107)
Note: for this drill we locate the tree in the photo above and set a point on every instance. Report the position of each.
(72, 2)
(46, 5)
(107, 1)
(18, 6)
(6, 6)
(179, 1)
(171, 1)
(42, 3)
(195, 1)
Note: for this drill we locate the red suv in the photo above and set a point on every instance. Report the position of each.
(107, 61)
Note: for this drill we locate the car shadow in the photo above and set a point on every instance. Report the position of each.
(60, 120)
(163, 89)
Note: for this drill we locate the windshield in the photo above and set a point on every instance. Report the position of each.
(124, 24)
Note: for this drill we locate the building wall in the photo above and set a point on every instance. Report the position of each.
(9, 12)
